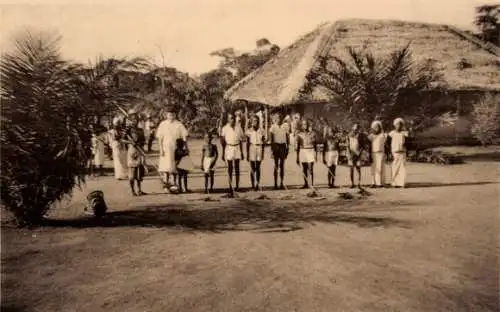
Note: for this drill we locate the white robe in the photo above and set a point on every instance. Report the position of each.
(98, 149)
(119, 157)
(168, 133)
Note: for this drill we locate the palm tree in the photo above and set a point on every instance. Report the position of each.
(100, 86)
(366, 86)
(44, 144)
(486, 20)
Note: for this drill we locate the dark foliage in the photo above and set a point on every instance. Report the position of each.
(48, 105)
(367, 86)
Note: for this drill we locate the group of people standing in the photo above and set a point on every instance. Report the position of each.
(299, 135)
(129, 141)
(129, 138)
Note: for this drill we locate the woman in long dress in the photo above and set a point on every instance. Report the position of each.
(98, 147)
(169, 131)
(119, 154)
(398, 148)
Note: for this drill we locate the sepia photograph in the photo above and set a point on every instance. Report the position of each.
(250, 155)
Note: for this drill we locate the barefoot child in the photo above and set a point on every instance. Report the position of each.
(280, 142)
(232, 149)
(209, 156)
(306, 151)
(181, 165)
(355, 147)
(135, 139)
(331, 154)
(255, 151)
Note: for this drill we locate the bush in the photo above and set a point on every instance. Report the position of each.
(45, 141)
(434, 157)
(486, 120)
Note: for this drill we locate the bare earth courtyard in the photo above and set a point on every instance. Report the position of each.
(430, 247)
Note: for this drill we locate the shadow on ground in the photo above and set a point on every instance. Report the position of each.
(436, 184)
(238, 215)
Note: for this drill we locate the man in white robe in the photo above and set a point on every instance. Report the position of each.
(398, 148)
(169, 131)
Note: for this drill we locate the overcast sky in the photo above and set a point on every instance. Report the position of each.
(188, 30)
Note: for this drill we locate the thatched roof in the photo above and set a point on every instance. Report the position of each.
(278, 81)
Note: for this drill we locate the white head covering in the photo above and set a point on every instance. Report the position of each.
(398, 121)
(132, 111)
(116, 121)
(376, 124)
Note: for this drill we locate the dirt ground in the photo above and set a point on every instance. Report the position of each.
(430, 247)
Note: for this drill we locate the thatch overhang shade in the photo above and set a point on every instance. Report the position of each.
(279, 81)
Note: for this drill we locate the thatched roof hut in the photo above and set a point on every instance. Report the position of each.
(279, 81)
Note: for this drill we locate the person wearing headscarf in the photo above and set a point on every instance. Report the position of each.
(98, 148)
(169, 131)
(398, 149)
(378, 139)
(119, 155)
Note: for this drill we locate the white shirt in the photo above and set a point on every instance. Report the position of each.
(232, 136)
(280, 132)
(171, 131)
(398, 140)
(255, 136)
(378, 142)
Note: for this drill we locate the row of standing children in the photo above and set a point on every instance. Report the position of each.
(360, 148)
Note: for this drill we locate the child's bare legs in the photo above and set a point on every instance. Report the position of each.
(358, 170)
(311, 172)
(331, 176)
(257, 173)
(185, 178)
(230, 174)
(252, 173)
(207, 176)
(282, 172)
(305, 172)
(237, 173)
(212, 173)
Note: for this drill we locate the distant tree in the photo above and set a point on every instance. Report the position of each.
(367, 86)
(214, 83)
(486, 120)
(100, 87)
(244, 63)
(487, 20)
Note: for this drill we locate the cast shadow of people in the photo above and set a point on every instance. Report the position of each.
(237, 215)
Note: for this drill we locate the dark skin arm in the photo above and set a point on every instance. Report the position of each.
(315, 146)
(216, 156)
(202, 157)
(223, 144)
(248, 148)
(241, 150)
(262, 150)
(324, 151)
(299, 145)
